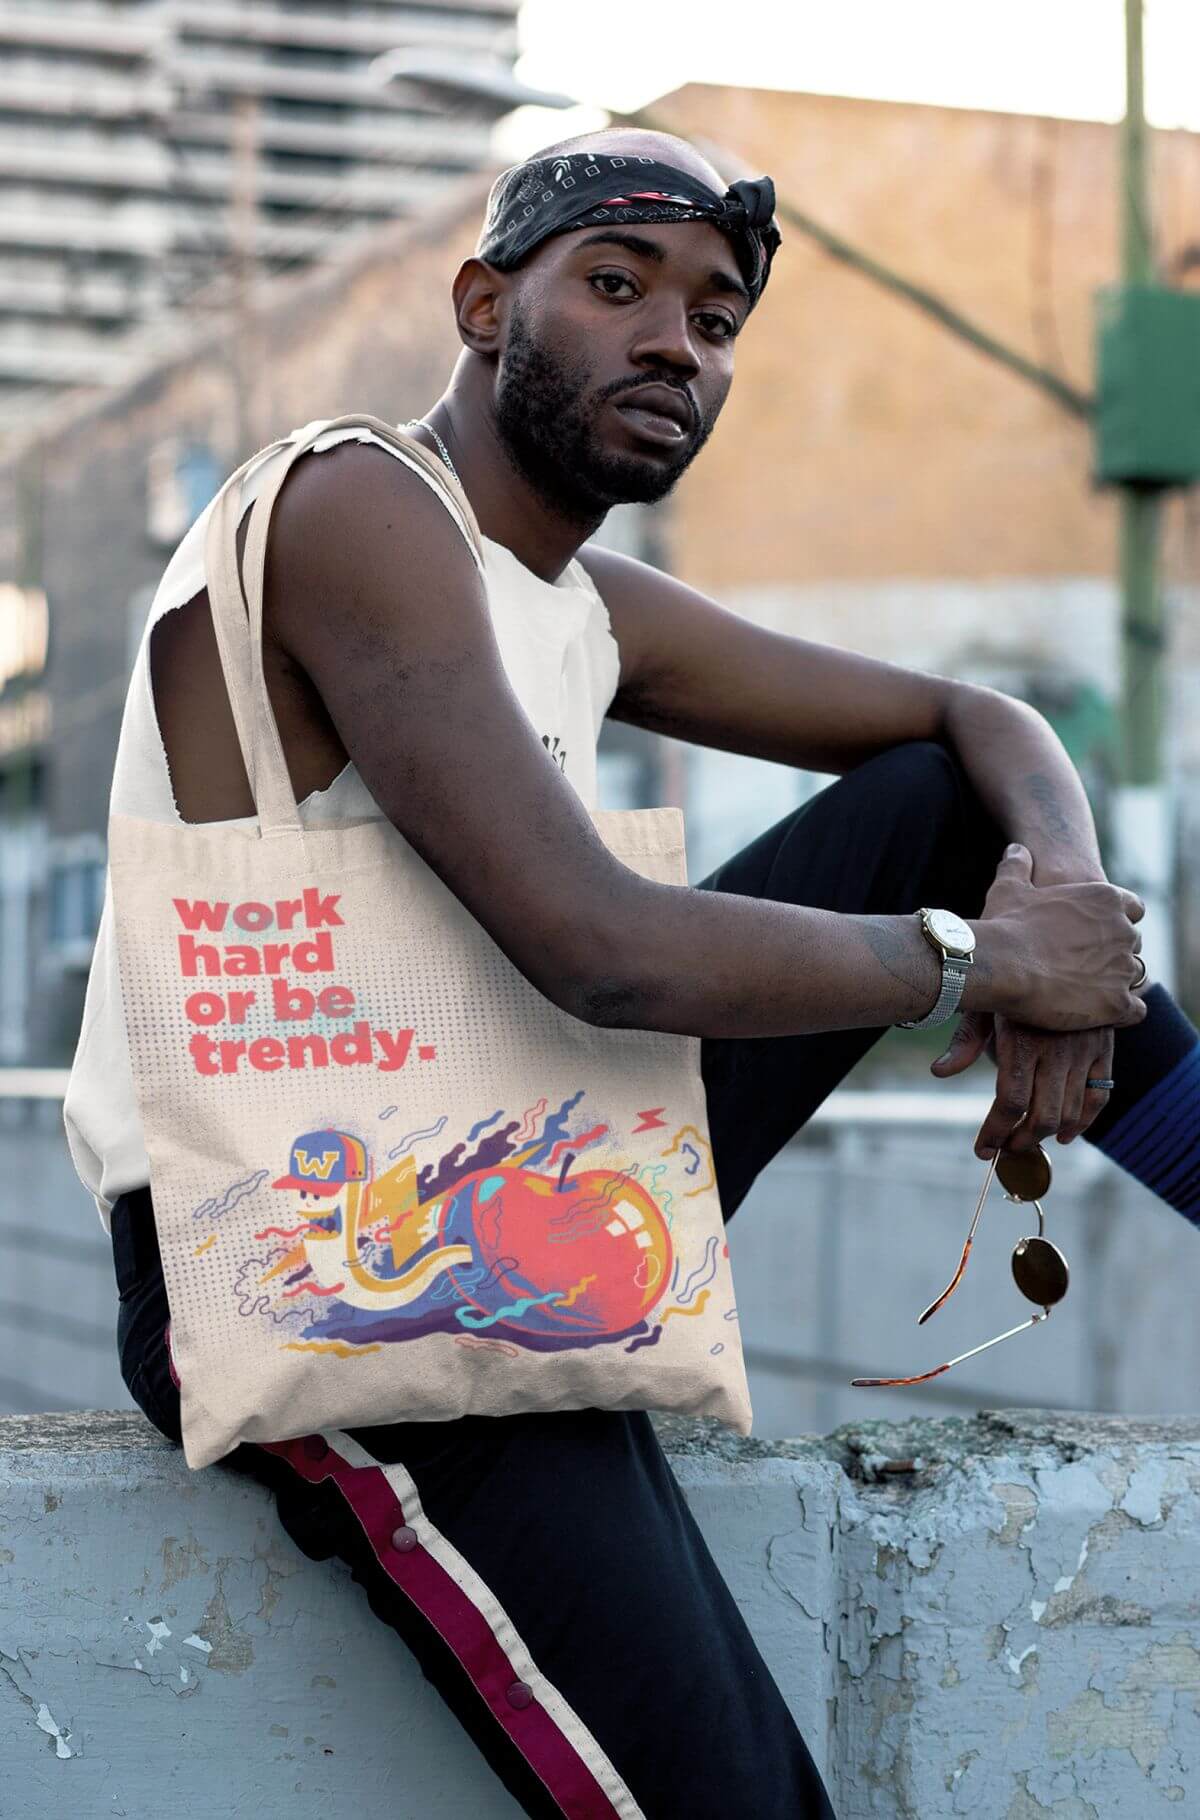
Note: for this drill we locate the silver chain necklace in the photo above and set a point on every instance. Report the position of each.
(418, 423)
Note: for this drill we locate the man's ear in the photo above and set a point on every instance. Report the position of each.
(480, 295)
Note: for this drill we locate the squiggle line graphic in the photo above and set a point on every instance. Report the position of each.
(466, 1339)
(651, 1173)
(576, 1290)
(597, 1205)
(483, 1124)
(529, 1116)
(260, 1304)
(337, 1347)
(643, 1276)
(289, 1232)
(469, 1318)
(703, 1273)
(211, 1240)
(689, 1313)
(645, 1339)
(675, 1144)
(313, 1289)
(413, 1137)
(730, 1314)
(719, 1347)
(577, 1144)
(554, 1127)
(388, 1111)
(691, 1149)
(237, 1191)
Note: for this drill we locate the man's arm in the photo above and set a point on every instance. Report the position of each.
(373, 594)
(693, 669)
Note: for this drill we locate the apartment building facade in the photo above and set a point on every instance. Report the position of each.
(158, 157)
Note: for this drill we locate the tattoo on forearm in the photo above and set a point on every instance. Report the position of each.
(894, 952)
(1054, 817)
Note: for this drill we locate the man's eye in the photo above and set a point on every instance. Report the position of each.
(715, 322)
(610, 283)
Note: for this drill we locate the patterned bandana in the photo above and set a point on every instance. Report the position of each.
(549, 196)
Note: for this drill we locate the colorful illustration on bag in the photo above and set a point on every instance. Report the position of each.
(512, 1243)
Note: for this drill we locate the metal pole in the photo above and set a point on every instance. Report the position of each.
(243, 239)
(1143, 821)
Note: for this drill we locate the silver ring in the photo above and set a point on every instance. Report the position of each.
(1102, 1086)
(1139, 983)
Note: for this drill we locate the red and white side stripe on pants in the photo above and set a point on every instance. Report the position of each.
(466, 1614)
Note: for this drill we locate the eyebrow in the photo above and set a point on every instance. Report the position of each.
(650, 249)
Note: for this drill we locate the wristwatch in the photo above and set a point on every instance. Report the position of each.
(950, 937)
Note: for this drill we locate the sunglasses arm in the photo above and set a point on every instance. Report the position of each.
(956, 1279)
(884, 1383)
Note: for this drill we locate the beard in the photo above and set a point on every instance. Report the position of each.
(546, 411)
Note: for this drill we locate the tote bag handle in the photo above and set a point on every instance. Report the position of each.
(236, 603)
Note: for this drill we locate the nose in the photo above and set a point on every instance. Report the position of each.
(664, 340)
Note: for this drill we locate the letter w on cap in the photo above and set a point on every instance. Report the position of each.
(309, 1164)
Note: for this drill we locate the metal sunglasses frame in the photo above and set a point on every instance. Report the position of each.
(1039, 1268)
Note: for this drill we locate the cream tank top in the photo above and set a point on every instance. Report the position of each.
(561, 659)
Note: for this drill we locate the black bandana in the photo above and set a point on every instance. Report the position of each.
(549, 196)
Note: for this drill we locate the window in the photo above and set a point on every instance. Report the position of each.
(181, 477)
(77, 868)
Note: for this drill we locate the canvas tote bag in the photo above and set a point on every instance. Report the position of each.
(391, 1180)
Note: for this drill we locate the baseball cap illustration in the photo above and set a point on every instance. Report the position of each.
(324, 1161)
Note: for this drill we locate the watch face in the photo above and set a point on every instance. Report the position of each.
(951, 932)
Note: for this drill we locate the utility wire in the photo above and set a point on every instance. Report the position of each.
(1078, 403)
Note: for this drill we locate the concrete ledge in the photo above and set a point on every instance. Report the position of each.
(998, 1616)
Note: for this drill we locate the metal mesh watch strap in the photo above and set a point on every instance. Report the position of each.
(954, 979)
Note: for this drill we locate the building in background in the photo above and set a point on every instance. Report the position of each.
(874, 483)
(879, 484)
(157, 155)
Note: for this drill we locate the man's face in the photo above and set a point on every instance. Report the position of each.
(617, 359)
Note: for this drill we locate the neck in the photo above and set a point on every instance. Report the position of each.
(541, 534)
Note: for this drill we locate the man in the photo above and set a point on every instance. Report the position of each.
(599, 322)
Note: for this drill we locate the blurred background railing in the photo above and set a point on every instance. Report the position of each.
(844, 1238)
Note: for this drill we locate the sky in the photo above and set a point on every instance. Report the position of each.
(1062, 57)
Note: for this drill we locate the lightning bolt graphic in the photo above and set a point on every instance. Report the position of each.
(652, 1122)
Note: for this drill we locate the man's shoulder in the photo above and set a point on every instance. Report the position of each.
(361, 498)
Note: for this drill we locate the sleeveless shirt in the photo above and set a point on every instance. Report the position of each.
(560, 657)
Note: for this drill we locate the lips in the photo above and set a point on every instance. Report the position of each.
(658, 413)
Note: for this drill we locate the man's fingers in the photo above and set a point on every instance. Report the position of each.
(1095, 1099)
(1015, 1070)
(1074, 1095)
(1132, 905)
(965, 1046)
(1017, 863)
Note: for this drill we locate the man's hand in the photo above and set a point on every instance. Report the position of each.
(1041, 1079)
(1060, 957)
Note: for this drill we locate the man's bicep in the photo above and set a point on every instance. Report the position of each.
(375, 592)
(697, 671)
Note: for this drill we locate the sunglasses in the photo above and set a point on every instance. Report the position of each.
(1039, 1268)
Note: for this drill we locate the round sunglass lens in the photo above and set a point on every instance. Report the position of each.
(1025, 1174)
(1040, 1271)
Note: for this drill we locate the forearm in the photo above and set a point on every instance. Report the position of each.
(708, 963)
(1021, 773)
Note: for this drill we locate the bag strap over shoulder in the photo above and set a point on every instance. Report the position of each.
(236, 601)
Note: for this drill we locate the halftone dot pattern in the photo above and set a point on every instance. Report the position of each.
(416, 961)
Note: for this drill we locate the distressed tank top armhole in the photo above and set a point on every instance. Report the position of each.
(600, 614)
(451, 504)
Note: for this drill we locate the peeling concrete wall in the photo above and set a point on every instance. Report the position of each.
(998, 1616)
